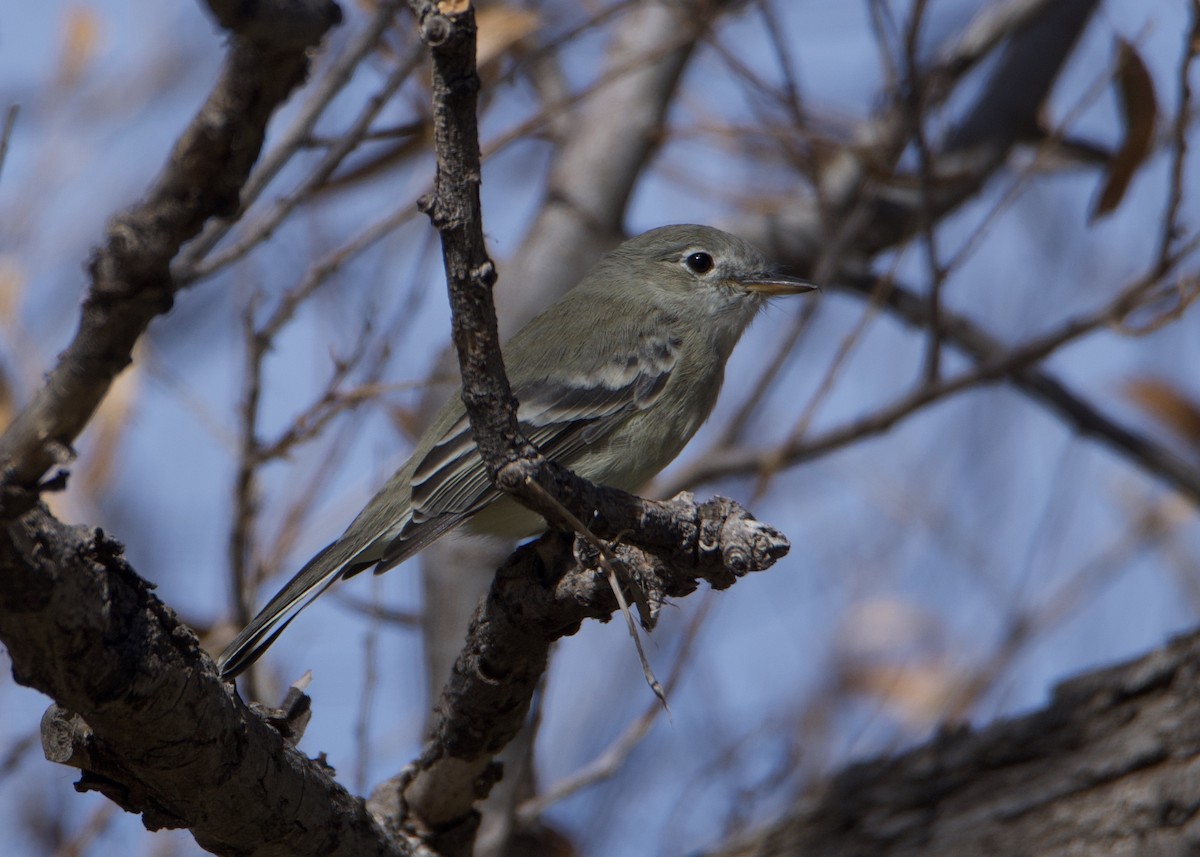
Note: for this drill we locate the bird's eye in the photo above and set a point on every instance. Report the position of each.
(699, 263)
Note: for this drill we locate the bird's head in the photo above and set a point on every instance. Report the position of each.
(701, 272)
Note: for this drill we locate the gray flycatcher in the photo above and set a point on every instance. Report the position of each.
(612, 380)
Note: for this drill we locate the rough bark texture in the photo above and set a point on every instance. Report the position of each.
(1110, 768)
(1107, 768)
(454, 773)
(531, 604)
(142, 713)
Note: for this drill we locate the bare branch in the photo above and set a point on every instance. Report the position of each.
(1018, 362)
(1071, 777)
(142, 712)
(332, 82)
(531, 604)
(131, 281)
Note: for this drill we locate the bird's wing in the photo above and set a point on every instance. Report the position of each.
(560, 415)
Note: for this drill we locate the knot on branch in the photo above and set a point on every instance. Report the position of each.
(68, 740)
(717, 541)
(733, 543)
(484, 276)
(133, 264)
(442, 213)
(436, 30)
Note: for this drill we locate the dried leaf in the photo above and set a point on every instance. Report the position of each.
(407, 421)
(1168, 406)
(501, 28)
(919, 694)
(80, 41)
(883, 626)
(6, 399)
(1139, 112)
(453, 7)
(12, 286)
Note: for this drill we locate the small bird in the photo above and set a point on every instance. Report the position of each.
(612, 380)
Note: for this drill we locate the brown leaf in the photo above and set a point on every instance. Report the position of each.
(1139, 112)
(919, 694)
(80, 40)
(6, 400)
(1168, 406)
(453, 7)
(12, 288)
(407, 421)
(501, 28)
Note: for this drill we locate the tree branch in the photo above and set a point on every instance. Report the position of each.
(141, 710)
(131, 280)
(995, 363)
(855, 184)
(457, 768)
(1107, 768)
(533, 602)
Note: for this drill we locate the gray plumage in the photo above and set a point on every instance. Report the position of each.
(612, 380)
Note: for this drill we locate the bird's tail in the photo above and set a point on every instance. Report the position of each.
(317, 575)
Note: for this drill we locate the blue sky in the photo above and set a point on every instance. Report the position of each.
(951, 519)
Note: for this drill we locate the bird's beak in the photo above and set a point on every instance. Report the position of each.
(770, 285)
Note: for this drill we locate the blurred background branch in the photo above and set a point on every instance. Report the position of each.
(997, 198)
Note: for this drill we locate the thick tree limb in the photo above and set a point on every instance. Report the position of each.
(1110, 767)
(149, 726)
(531, 604)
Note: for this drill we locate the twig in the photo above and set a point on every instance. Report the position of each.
(15, 752)
(10, 122)
(606, 563)
(783, 56)
(611, 760)
(377, 612)
(832, 372)
(1183, 120)
(362, 723)
(736, 427)
(914, 108)
(265, 226)
(245, 483)
(997, 363)
(131, 281)
(333, 81)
